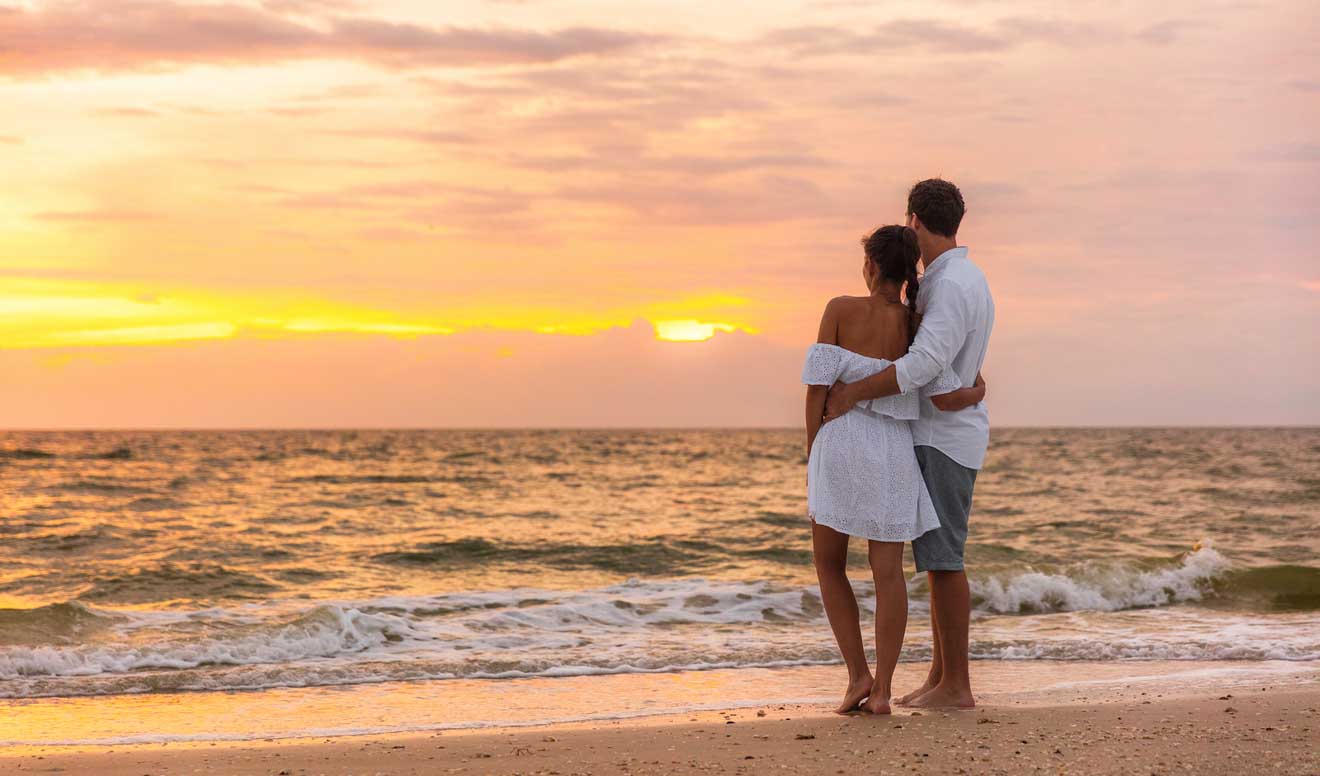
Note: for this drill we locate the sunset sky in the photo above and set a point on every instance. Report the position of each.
(561, 213)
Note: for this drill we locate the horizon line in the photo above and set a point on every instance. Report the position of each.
(62, 429)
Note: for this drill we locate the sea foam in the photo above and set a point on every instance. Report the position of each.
(1102, 587)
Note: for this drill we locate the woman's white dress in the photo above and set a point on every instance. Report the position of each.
(862, 474)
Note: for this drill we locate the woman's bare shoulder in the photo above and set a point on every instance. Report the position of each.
(848, 302)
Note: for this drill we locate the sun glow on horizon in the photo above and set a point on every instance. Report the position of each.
(38, 314)
(692, 330)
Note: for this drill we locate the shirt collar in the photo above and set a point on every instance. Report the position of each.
(944, 259)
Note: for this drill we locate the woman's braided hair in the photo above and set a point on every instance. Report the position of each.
(894, 251)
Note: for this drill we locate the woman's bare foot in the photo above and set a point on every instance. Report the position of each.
(877, 705)
(943, 697)
(857, 692)
(917, 693)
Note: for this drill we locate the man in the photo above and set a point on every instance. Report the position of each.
(957, 315)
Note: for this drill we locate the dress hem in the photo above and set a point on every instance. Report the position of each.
(832, 523)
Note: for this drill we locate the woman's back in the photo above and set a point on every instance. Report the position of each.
(873, 327)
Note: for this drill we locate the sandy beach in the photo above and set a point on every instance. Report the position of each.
(1135, 727)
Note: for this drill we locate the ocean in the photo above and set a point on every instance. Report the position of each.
(197, 564)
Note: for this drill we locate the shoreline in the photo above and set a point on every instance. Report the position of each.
(467, 705)
(1270, 728)
(1102, 717)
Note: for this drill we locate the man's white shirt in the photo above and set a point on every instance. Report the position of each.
(957, 316)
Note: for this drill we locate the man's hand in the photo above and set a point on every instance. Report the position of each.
(838, 401)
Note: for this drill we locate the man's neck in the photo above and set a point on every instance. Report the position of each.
(936, 248)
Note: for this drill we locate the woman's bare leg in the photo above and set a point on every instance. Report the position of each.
(830, 549)
(890, 619)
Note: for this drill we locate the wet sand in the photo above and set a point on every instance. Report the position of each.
(1130, 729)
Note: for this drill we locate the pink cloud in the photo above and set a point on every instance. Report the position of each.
(64, 35)
(934, 34)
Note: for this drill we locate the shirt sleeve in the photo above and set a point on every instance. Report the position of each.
(942, 332)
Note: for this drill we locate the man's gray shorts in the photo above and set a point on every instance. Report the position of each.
(950, 485)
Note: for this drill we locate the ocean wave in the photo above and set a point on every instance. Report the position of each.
(653, 557)
(29, 453)
(1134, 611)
(1281, 588)
(75, 541)
(390, 479)
(365, 650)
(174, 581)
(373, 479)
(62, 623)
(658, 557)
(99, 486)
(324, 631)
(1101, 586)
(638, 627)
(25, 453)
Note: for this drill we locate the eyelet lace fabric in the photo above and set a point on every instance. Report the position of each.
(862, 474)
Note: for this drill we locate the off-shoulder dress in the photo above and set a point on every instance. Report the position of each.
(862, 473)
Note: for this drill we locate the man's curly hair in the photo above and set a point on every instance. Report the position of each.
(938, 204)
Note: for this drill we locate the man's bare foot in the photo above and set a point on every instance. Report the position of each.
(917, 693)
(877, 705)
(942, 697)
(857, 692)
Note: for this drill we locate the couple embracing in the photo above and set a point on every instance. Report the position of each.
(896, 431)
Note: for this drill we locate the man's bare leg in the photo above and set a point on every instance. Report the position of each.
(830, 550)
(936, 658)
(890, 620)
(951, 606)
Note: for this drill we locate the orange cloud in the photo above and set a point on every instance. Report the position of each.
(47, 313)
(92, 216)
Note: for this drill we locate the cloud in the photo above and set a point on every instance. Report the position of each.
(408, 210)
(310, 7)
(645, 94)
(71, 35)
(404, 44)
(932, 34)
(771, 198)
(94, 216)
(297, 111)
(126, 112)
(1292, 153)
(424, 136)
(1022, 29)
(632, 161)
(824, 40)
(347, 91)
(1166, 32)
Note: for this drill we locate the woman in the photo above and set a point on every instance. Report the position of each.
(862, 474)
